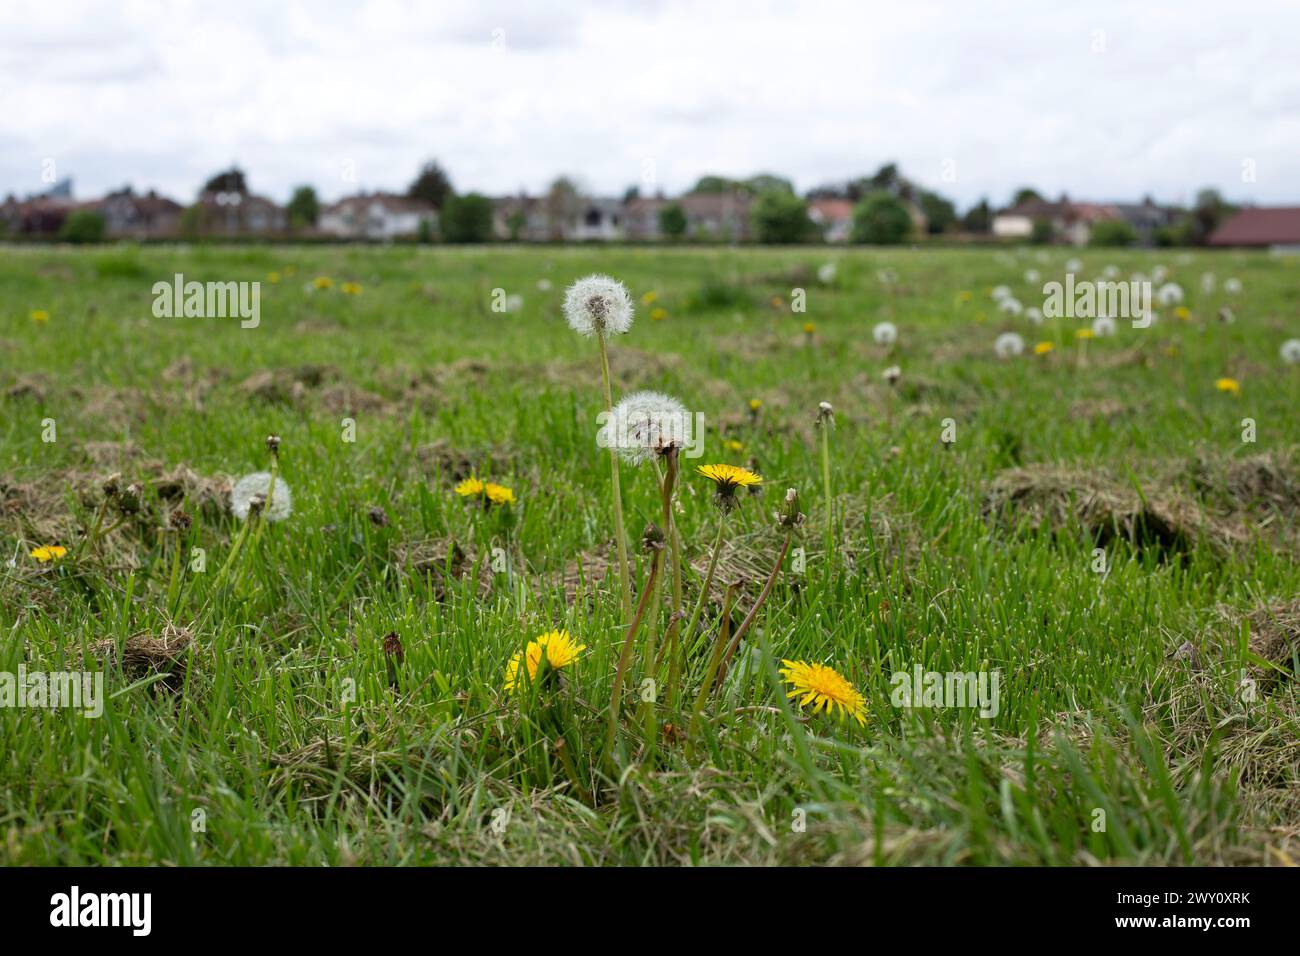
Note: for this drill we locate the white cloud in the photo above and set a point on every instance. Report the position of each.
(508, 95)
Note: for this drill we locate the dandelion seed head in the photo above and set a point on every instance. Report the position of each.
(885, 333)
(255, 486)
(645, 424)
(1102, 326)
(598, 305)
(1171, 293)
(1290, 351)
(1008, 345)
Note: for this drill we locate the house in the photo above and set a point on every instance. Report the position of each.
(232, 213)
(1272, 227)
(723, 215)
(1147, 218)
(130, 216)
(1068, 222)
(520, 218)
(597, 219)
(37, 218)
(641, 217)
(833, 216)
(377, 216)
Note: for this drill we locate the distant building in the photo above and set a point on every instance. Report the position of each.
(131, 216)
(718, 216)
(38, 218)
(1147, 218)
(1068, 222)
(377, 216)
(597, 219)
(236, 214)
(833, 216)
(641, 217)
(521, 218)
(1272, 227)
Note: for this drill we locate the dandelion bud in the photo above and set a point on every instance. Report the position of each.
(180, 521)
(256, 503)
(790, 516)
(110, 486)
(825, 413)
(378, 517)
(273, 444)
(652, 539)
(893, 374)
(128, 501)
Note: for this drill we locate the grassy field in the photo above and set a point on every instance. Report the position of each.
(260, 711)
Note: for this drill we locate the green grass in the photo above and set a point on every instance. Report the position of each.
(279, 722)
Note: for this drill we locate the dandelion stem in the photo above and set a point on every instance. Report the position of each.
(625, 655)
(753, 611)
(708, 579)
(672, 639)
(714, 661)
(826, 486)
(624, 578)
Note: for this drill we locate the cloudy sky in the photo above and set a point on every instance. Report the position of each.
(1105, 100)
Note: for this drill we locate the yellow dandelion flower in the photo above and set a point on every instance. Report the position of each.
(560, 652)
(980, 316)
(471, 487)
(964, 296)
(825, 688)
(1083, 333)
(777, 302)
(1042, 348)
(729, 476)
(350, 288)
(49, 552)
(732, 445)
(755, 404)
(726, 479)
(323, 282)
(1171, 351)
(1229, 385)
(649, 298)
(273, 277)
(809, 328)
(40, 315)
(499, 494)
(658, 315)
(1184, 313)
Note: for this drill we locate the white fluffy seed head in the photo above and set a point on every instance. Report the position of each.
(1011, 306)
(256, 485)
(1008, 345)
(1102, 326)
(892, 374)
(1232, 286)
(645, 424)
(885, 333)
(1290, 351)
(1035, 316)
(826, 273)
(1171, 293)
(598, 305)
(1001, 292)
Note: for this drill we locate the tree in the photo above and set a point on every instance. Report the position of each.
(672, 221)
(1112, 233)
(467, 218)
(780, 217)
(714, 184)
(1026, 194)
(228, 181)
(979, 218)
(304, 207)
(83, 225)
(1042, 232)
(431, 184)
(881, 219)
(767, 182)
(940, 214)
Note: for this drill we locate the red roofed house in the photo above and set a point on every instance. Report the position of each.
(1276, 227)
(833, 216)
